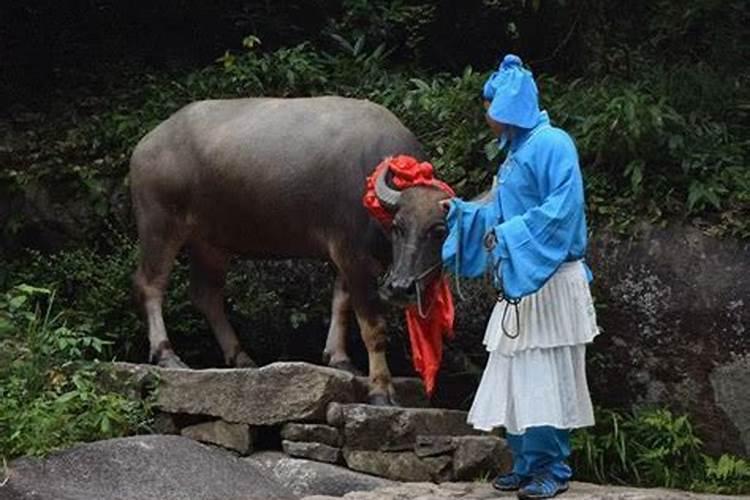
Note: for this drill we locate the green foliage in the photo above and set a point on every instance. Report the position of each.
(654, 448)
(95, 286)
(638, 148)
(49, 396)
(655, 143)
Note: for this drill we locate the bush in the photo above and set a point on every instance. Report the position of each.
(49, 396)
(653, 447)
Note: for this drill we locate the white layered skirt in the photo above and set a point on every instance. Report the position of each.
(539, 377)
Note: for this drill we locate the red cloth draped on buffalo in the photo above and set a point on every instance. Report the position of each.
(425, 334)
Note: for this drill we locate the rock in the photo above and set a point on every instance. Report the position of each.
(399, 466)
(335, 415)
(141, 468)
(237, 437)
(676, 309)
(305, 477)
(731, 395)
(316, 433)
(395, 429)
(164, 424)
(483, 491)
(430, 446)
(409, 392)
(314, 451)
(271, 395)
(478, 455)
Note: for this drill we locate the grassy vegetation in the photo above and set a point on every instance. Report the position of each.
(653, 447)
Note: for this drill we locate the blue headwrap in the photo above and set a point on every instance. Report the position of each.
(513, 94)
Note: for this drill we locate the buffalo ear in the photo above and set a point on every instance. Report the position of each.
(445, 205)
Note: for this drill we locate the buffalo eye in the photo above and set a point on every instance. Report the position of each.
(439, 232)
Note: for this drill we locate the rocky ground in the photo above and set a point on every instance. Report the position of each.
(162, 467)
(212, 425)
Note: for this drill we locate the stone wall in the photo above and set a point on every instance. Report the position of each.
(318, 415)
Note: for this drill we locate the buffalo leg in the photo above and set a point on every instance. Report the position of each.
(335, 353)
(159, 244)
(374, 335)
(208, 269)
(369, 311)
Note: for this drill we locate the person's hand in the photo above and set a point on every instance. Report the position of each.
(490, 241)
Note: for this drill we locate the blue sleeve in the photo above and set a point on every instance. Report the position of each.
(534, 244)
(468, 223)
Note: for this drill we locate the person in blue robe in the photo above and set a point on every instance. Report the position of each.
(530, 236)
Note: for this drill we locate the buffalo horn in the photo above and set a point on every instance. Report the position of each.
(387, 196)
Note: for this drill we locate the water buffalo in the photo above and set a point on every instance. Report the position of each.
(279, 178)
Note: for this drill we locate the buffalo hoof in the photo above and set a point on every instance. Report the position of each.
(242, 360)
(171, 361)
(347, 366)
(380, 399)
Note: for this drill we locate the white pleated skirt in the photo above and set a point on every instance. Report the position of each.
(539, 377)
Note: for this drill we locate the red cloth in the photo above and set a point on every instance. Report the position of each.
(425, 334)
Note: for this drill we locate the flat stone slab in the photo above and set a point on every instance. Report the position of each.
(305, 477)
(141, 468)
(483, 491)
(271, 395)
(313, 451)
(237, 437)
(314, 433)
(367, 427)
(399, 465)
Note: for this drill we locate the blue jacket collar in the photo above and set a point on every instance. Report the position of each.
(521, 135)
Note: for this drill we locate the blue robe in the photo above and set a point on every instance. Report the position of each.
(536, 212)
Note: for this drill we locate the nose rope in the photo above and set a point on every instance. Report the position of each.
(418, 286)
(418, 281)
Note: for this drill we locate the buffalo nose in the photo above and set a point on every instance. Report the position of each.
(401, 286)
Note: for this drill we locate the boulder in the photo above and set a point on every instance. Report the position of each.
(367, 427)
(399, 466)
(141, 468)
(237, 437)
(729, 383)
(314, 451)
(305, 477)
(271, 395)
(316, 433)
(675, 310)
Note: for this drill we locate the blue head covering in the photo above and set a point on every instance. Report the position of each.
(513, 94)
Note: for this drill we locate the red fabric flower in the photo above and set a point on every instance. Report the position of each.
(425, 334)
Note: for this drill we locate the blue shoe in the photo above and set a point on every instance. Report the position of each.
(544, 486)
(508, 482)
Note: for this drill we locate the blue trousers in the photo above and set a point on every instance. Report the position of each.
(541, 450)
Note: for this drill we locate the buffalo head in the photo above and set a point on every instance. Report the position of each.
(417, 235)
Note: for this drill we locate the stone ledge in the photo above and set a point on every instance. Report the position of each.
(399, 466)
(271, 395)
(312, 433)
(313, 451)
(368, 427)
